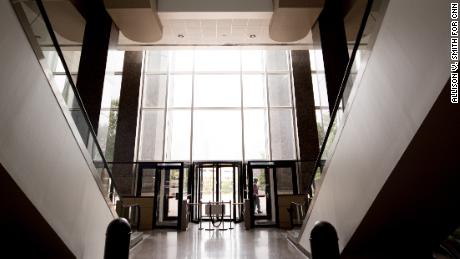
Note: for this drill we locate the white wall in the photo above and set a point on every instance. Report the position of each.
(407, 70)
(39, 151)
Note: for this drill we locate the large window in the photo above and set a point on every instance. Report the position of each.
(108, 117)
(217, 105)
(318, 77)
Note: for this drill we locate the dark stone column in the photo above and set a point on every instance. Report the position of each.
(334, 47)
(306, 120)
(125, 139)
(91, 71)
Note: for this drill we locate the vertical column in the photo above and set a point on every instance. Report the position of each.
(334, 47)
(125, 139)
(91, 71)
(306, 120)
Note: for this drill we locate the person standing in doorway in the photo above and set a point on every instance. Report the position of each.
(255, 195)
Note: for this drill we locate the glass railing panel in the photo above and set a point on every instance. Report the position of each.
(61, 68)
(370, 17)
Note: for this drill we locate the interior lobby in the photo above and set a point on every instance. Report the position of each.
(228, 129)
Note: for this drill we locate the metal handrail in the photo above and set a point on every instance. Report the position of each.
(343, 85)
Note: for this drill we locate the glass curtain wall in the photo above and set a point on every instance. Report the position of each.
(318, 78)
(110, 99)
(217, 105)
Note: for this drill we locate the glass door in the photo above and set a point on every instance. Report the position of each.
(207, 187)
(266, 181)
(264, 202)
(146, 182)
(165, 183)
(217, 182)
(167, 197)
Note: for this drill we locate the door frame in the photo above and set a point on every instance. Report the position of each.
(195, 183)
(267, 165)
(158, 166)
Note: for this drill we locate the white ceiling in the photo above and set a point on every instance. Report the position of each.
(215, 28)
(214, 6)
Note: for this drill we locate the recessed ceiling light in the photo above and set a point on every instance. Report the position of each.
(180, 35)
(252, 36)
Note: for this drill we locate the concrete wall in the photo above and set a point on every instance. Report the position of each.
(39, 151)
(407, 70)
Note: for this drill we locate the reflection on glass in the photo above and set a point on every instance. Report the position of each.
(256, 138)
(148, 182)
(217, 135)
(282, 134)
(178, 135)
(254, 91)
(151, 135)
(154, 91)
(52, 60)
(217, 91)
(65, 89)
(279, 90)
(72, 59)
(82, 125)
(284, 180)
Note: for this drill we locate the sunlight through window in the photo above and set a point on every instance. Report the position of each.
(217, 105)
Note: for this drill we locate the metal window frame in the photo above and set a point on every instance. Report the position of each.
(193, 73)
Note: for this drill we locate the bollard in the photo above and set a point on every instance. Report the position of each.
(117, 239)
(324, 241)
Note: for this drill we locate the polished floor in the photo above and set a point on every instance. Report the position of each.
(237, 243)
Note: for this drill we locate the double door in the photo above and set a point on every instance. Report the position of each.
(217, 182)
(165, 183)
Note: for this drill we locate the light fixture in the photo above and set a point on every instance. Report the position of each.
(252, 36)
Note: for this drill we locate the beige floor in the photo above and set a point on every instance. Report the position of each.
(237, 243)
